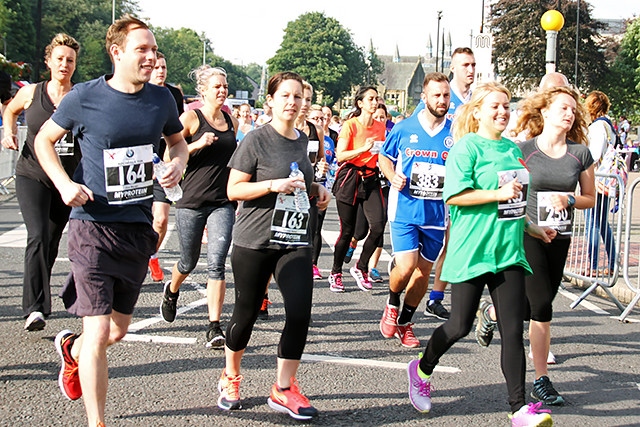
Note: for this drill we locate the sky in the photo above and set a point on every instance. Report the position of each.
(251, 31)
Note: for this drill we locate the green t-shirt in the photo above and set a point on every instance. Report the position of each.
(484, 238)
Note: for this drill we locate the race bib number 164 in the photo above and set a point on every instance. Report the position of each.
(128, 174)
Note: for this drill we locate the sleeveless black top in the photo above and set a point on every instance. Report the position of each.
(40, 111)
(205, 180)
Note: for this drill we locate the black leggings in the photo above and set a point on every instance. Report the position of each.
(291, 269)
(508, 295)
(362, 225)
(317, 236)
(45, 216)
(547, 262)
(374, 211)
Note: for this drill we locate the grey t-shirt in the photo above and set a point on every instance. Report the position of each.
(265, 154)
(549, 175)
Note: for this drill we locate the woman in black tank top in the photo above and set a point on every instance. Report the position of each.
(211, 137)
(45, 214)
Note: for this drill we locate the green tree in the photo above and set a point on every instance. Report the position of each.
(93, 60)
(375, 66)
(520, 43)
(623, 82)
(19, 30)
(323, 52)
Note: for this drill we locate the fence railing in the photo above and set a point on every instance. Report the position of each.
(606, 246)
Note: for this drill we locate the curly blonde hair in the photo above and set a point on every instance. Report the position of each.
(531, 119)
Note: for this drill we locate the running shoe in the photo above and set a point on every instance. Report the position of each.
(168, 308)
(436, 309)
(316, 273)
(68, 378)
(349, 254)
(35, 322)
(157, 275)
(544, 392)
(361, 277)
(374, 275)
(551, 359)
(485, 326)
(335, 282)
(531, 416)
(406, 336)
(419, 388)
(229, 388)
(292, 402)
(215, 337)
(389, 321)
(263, 314)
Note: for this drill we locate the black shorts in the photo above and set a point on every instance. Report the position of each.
(108, 265)
(158, 193)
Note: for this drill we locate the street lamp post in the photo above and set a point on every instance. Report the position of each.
(552, 21)
(575, 73)
(438, 38)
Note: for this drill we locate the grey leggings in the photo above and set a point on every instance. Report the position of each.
(191, 223)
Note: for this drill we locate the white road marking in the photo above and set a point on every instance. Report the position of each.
(584, 303)
(16, 238)
(368, 363)
(159, 339)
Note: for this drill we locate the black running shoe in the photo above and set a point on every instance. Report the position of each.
(215, 337)
(169, 302)
(485, 326)
(544, 392)
(436, 309)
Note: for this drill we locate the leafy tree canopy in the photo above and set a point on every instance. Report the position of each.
(520, 43)
(322, 52)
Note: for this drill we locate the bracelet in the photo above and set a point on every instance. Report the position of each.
(527, 225)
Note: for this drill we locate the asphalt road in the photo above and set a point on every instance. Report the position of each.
(163, 375)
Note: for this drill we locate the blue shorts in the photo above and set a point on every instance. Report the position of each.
(409, 238)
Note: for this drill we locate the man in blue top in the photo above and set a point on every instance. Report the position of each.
(118, 120)
(463, 68)
(412, 158)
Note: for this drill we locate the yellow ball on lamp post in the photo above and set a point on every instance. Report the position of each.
(552, 21)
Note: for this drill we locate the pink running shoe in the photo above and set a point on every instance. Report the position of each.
(419, 388)
(389, 321)
(316, 273)
(531, 416)
(335, 282)
(361, 278)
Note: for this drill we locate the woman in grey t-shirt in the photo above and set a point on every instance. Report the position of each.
(271, 236)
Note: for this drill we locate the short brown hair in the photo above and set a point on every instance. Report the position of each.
(61, 39)
(597, 104)
(118, 31)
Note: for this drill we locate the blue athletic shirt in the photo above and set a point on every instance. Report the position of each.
(420, 155)
(454, 104)
(105, 120)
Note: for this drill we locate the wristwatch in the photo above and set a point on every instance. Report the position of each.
(571, 200)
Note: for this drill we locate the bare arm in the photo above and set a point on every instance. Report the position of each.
(240, 187)
(18, 104)
(472, 197)
(72, 193)
(179, 155)
(342, 154)
(397, 180)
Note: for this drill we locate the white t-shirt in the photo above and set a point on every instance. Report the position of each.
(599, 137)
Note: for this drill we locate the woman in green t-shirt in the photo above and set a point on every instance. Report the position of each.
(486, 186)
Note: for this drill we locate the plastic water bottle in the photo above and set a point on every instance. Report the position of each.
(331, 173)
(301, 197)
(174, 193)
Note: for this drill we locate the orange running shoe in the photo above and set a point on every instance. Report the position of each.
(292, 402)
(406, 336)
(229, 388)
(68, 379)
(157, 275)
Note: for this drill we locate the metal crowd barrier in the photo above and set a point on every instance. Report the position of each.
(8, 160)
(624, 248)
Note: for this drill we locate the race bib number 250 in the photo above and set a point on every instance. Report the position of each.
(128, 174)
